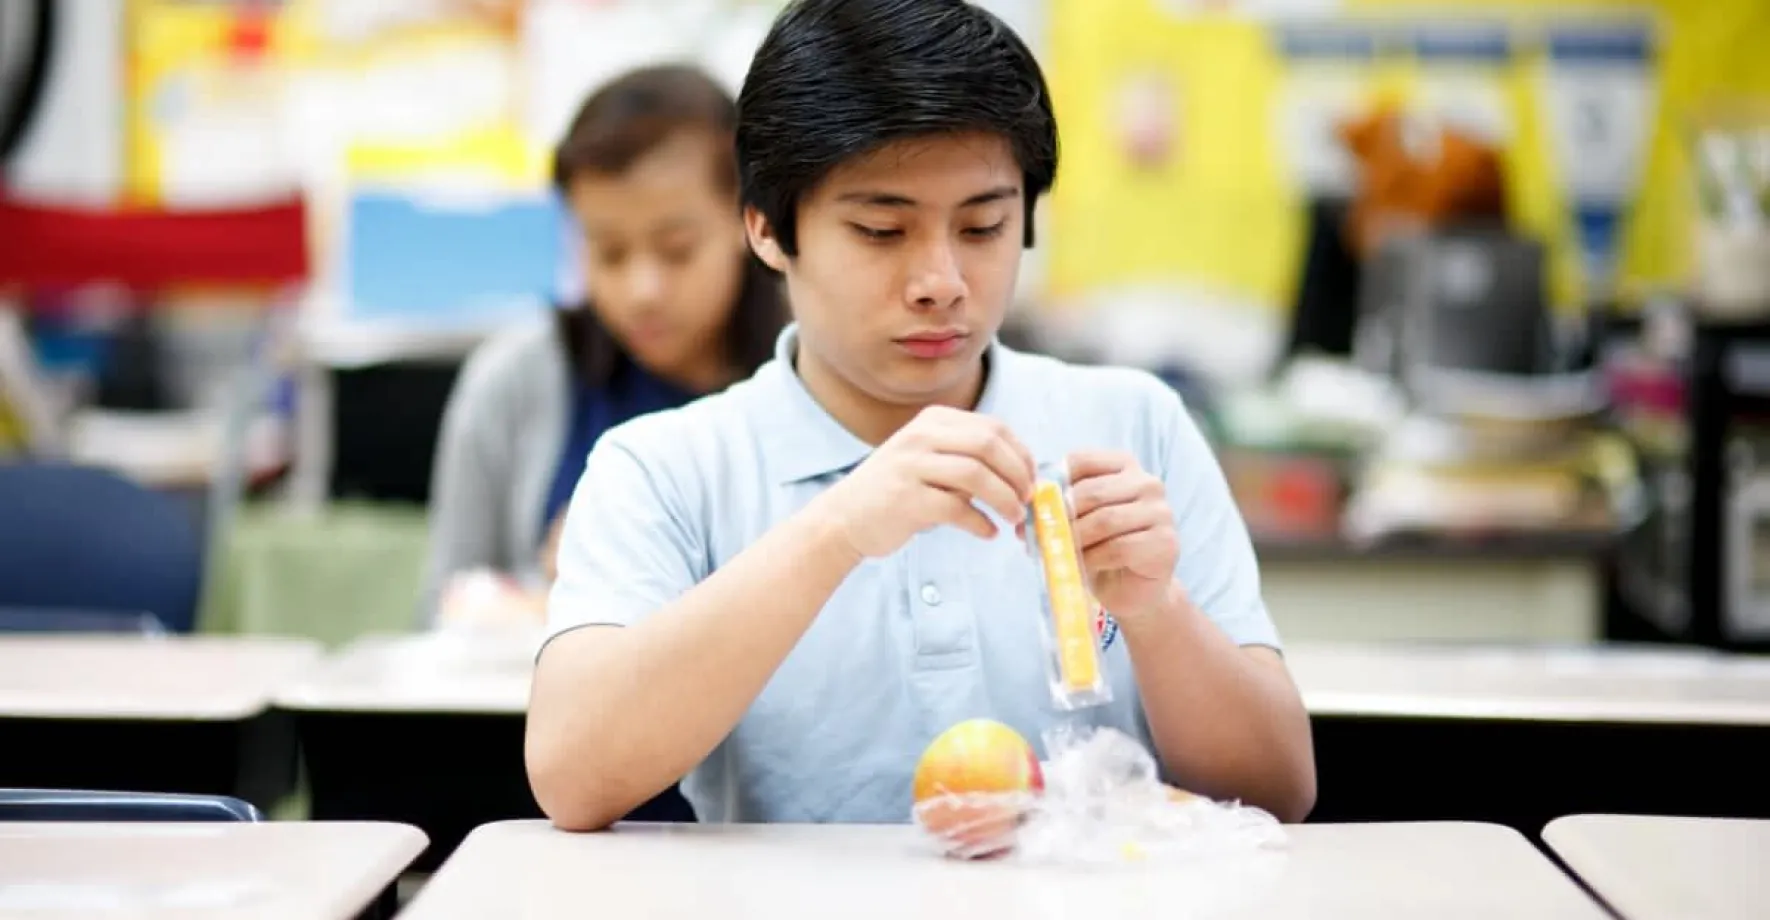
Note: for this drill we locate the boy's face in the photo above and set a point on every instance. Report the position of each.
(907, 262)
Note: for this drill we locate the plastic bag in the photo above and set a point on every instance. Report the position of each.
(1099, 801)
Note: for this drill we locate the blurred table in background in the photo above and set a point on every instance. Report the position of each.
(1523, 587)
(330, 575)
(425, 730)
(1520, 735)
(157, 714)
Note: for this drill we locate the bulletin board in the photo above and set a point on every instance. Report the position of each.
(228, 99)
(1182, 162)
(415, 129)
(203, 85)
(400, 123)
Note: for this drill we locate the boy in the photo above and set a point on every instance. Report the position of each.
(783, 592)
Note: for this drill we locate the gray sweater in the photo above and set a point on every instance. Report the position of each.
(496, 457)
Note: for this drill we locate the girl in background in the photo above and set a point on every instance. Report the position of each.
(677, 308)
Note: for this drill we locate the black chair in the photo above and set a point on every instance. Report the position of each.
(84, 805)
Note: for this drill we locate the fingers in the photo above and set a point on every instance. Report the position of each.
(988, 440)
(1107, 523)
(1087, 464)
(1120, 488)
(1127, 551)
(968, 477)
(960, 513)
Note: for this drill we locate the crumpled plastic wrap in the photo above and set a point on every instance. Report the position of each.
(1102, 802)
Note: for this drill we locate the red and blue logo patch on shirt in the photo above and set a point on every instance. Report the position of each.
(1105, 628)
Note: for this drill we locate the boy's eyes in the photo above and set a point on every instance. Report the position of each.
(876, 233)
(881, 234)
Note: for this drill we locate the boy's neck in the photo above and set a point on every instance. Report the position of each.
(869, 419)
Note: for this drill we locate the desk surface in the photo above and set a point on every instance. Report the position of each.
(1652, 868)
(1542, 683)
(269, 871)
(465, 671)
(785, 872)
(189, 678)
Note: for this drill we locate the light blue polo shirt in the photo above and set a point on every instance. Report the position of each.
(946, 629)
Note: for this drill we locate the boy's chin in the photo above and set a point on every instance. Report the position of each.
(923, 385)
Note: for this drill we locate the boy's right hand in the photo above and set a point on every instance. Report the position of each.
(928, 474)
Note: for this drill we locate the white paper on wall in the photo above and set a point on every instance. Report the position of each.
(573, 46)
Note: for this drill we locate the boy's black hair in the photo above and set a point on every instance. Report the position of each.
(836, 79)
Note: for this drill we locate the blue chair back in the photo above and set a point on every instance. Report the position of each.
(38, 620)
(85, 805)
(86, 541)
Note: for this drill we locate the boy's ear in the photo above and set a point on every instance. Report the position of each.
(762, 240)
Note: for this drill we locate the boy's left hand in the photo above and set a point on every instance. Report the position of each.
(1124, 529)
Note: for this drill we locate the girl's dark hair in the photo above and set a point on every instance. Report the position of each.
(616, 126)
(837, 79)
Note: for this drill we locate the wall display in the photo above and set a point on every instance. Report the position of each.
(1194, 134)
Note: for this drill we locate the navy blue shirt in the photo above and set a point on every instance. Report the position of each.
(632, 392)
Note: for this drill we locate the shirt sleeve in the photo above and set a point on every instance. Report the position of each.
(1217, 563)
(627, 547)
(468, 492)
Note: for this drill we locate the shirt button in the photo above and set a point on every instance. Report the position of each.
(931, 595)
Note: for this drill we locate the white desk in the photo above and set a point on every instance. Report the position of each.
(182, 678)
(425, 730)
(1569, 684)
(785, 872)
(1653, 868)
(467, 672)
(269, 871)
(1522, 735)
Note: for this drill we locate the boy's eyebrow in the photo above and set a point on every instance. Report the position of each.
(673, 224)
(893, 200)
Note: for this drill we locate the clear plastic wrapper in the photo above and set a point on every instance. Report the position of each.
(975, 825)
(1102, 802)
(1075, 667)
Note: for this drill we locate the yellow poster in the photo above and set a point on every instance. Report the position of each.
(204, 90)
(1170, 172)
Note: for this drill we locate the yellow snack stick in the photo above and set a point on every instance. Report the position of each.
(1072, 614)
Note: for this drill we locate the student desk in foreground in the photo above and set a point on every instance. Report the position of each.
(786, 872)
(152, 714)
(267, 871)
(1652, 868)
(425, 730)
(1522, 735)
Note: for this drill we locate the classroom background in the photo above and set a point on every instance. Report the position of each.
(1507, 467)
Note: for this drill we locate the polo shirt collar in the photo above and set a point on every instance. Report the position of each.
(802, 441)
